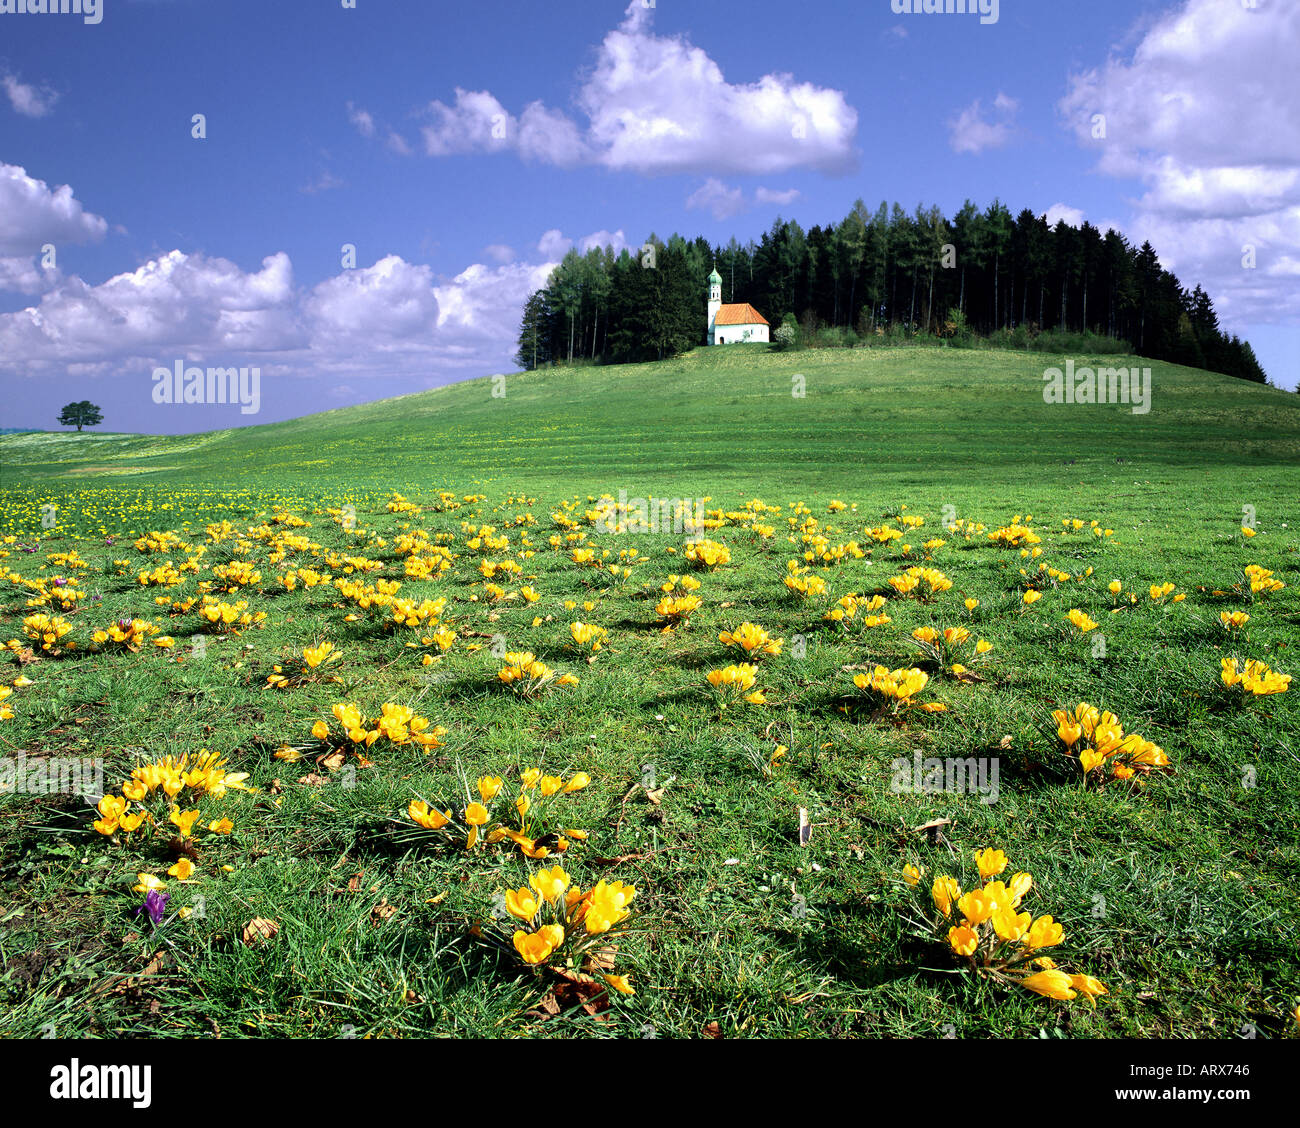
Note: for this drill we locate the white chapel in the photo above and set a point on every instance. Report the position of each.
(734, 322)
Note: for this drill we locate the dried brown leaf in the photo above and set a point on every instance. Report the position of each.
(259, 929)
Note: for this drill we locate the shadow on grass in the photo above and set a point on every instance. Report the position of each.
(854, 959)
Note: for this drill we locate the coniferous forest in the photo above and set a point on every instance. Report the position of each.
(886, 277)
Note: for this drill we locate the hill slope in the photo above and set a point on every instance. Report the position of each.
(1177, 891)
(720, 418)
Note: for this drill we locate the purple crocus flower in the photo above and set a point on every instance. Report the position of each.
(155, 904)
(124, 624)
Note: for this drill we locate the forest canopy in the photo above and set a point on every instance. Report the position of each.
(883, 276)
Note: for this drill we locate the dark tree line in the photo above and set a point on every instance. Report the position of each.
(883, 274)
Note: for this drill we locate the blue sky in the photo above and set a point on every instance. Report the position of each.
(462, 147)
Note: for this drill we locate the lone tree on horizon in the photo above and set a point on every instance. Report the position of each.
(83, 414)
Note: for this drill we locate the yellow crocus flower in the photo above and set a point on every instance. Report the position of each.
(621, 983)
(944, 892)
(551, 883)
(1044, 933)
(533, 947)
(990, 862)
(522, 903)
(1009, 925)
(1054, 984)
(1020, 884)
(964, 940)
(1089, 987)
(430, 819)
(975, 907)
(111, 806)
(183, 821)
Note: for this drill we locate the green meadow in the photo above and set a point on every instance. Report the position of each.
(1175, 888)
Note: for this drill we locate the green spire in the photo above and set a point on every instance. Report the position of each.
(715, 279)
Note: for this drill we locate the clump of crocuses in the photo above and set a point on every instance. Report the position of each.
(984, 929)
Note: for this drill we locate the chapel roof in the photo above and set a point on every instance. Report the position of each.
(739, 313)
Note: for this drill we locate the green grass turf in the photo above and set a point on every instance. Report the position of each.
(1178, 895)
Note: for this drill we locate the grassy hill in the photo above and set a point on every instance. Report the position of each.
(1175, 889)
(964, 428)
(719, 413)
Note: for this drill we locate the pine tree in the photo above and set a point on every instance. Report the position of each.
(535, 333)
(999, 242)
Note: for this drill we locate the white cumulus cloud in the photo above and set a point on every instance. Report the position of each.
(26, 99)
(972, 131)
(1057, 212)
(1205, 114)
(773, 196)
(553, 244)
(718, 198)
(602, 239)
(362, 119)
(22, 276)
(477, 121)
(387, 307)
(33, 214)
(725, 201)
(657, 104)
(392, 321)
(173, 302)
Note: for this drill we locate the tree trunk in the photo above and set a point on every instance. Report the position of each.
(997, 261)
